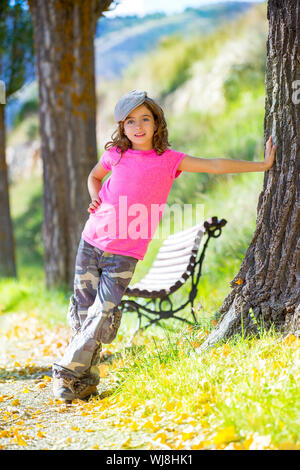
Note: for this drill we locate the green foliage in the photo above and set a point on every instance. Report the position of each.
(249, 75)
(169, 65)
(28, 108)
(16, 44)
(28, 225)
(32, 131)
(235, 133)
(28, 294)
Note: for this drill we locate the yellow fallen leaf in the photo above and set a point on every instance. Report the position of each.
(260, 442)
(15, 402)
(40, 434)
(5, 434)
(126, 443)
(177, 445)
(196, 344)
(75, 429)
(170, 406)
(239, 281)
(255, 373)
(202, 398)
(161, 436)
(187, 435)
(17, 364)
(156, 417)
(42, 385)
(106, 352)
(226, 349)
(181, 417)
(134, 426)
(30, 364)
(225, 435)
(103, 370)
(289, 446)
(134, 404)
(149, 425)
(20, 441)
(26, 390)
(20, 422)
(290, 339)
(206, 409)
(197, 445)
(234, 446)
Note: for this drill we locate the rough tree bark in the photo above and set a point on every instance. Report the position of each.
(15, 54)
(270, 271)
(7, 246)
(64, 42)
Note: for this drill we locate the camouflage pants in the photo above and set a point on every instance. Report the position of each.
(100, 281)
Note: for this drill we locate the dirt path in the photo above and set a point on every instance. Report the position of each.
(30, 417)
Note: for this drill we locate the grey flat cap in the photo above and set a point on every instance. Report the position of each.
(127, 103)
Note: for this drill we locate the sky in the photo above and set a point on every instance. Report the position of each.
(143, 7)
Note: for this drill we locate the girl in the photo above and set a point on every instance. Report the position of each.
(143, 170)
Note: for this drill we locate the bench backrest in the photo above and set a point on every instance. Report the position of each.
(172, 266)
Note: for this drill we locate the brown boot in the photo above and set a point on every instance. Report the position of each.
(68, 389)
(84, 391)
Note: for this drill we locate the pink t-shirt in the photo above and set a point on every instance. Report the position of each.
(133, 199)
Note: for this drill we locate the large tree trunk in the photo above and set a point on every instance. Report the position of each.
(64, 42)
(7, 252)
(270, 271)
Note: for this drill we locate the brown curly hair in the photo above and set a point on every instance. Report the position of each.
(160, 136)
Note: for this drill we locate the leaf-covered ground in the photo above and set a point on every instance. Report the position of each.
(31, 418)
(229, 399)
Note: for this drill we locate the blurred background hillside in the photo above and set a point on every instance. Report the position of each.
(206, 67)
(199, 61)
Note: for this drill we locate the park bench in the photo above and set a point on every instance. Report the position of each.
(177, 261)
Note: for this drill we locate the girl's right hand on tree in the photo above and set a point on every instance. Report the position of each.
(270, 153)
(94, 205)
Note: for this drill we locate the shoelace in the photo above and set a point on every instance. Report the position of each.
(75, 385)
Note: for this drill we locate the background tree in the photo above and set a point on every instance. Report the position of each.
(64, 41)
(268, 281)
(16, 52)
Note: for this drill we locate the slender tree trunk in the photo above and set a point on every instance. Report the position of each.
(64, 42)
(270, 271)
(7, 251)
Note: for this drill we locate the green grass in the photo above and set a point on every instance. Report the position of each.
(28, 293)
(244, 391)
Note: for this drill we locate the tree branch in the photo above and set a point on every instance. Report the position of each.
(103, 5)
